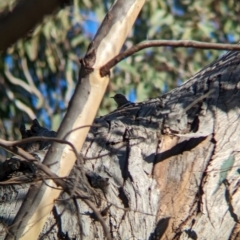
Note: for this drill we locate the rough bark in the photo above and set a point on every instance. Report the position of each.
(171, 165)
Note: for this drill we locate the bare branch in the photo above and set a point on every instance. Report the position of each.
(104, 70)
(11, 145)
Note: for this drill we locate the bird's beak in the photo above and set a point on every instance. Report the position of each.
(111, 97)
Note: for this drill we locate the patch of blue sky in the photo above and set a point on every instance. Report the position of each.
(132, 95)
(231, 38)
(149, 51)
(138, 21)
(62, 83)
(33, 74)
(190, 51)
(165, 87)
(52, 97)
(34, 100)
(208, 54)
(177, 8)
(179, 82)
(91, 24)
(54, 100)
(169, 48)
(61, 104)
(45, 118)
(212, 35)
(116, 69)
(56, 91)
(8, 60)
(43, 89)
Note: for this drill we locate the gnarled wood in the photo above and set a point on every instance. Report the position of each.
(172, 170)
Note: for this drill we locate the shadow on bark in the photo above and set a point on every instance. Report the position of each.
(160, 229)
(187, 145)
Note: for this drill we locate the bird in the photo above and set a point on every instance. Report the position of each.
(121, 100)
(36, 130)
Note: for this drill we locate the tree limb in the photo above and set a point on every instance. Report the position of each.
(160, 43)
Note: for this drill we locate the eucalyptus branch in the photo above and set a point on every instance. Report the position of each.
(104, 70)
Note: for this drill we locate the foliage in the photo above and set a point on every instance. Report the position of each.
(38, 73)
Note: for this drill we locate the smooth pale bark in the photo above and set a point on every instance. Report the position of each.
(173, 174)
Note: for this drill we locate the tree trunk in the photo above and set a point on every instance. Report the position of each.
(167, 168)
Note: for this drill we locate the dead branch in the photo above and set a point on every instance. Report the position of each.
(104, 70)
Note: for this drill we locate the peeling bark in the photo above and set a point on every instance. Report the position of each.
(172, 171)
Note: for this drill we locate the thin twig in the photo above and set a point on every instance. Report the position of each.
(11, 145)
(104, 70)
(8, 145)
